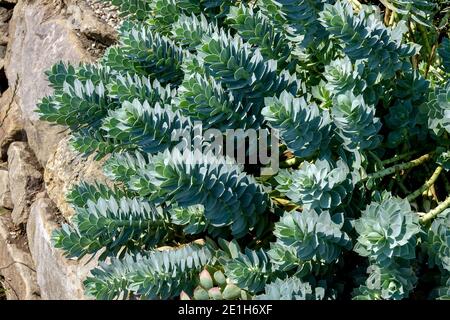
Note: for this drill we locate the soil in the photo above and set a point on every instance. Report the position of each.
(106, 11)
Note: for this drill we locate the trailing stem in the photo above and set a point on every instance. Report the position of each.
(436, 211)
(427, 185)
(400, 167)
(398, 157)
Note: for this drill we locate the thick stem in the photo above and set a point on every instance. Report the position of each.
(398, 157)
(356, 5)
(377, 159)
(400, 167)
(436, 211)
(286, 203)
(387, 15)
(426, 185)
(430, 60)
(392, 18)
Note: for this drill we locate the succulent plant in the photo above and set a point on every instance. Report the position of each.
(313, 236)
(290, 289)
(437, 109)
(339, 85)
(302, 126)
(387, 230)
(438, 242)
(213, 285)
(443, 291)
(318, 185)
(355, 122)
(394, 282)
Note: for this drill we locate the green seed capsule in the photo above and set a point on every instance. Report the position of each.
(245, 295)
(184, 296)
(231, 292)
(219, 277)
(200, 294)
(215, 294)
(206, 280)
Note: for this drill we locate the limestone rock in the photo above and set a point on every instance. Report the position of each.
(58, 277)
(66, 168)
(25, 180)
(5, 194)
(84, 19)
(5, 15)
(2, 55)
(4, 33)
(16, 264)
(40, 37)
(11, 124)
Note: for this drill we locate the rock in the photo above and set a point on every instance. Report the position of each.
(2, 54)
(16, 264)
(5, 193)
(5, 15)
(11, 124)
(25, 180)
(4, 33)
(66, 168)
(84, 19)
(112, 13)
(40, 37)
(58, 277)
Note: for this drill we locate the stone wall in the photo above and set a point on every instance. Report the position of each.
(37, 166)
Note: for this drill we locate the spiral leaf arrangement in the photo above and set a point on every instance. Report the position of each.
(355, 101)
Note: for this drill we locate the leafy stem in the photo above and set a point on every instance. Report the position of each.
(398, 158)
(400, 167)
(436, 211)
(427, 185)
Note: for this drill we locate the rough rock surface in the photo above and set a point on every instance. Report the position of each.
(11, 124)
(34, 35)
(58, 277)
(2, 55)
(5, 15)
(16, 264)
(5, 193)
(66, 168)
(25, 180)
(106, 11)
(43, 33)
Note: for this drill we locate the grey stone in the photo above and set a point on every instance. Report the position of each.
(43, 33)
(11, 124)
(5, 194)
(4, 33)
(16, 264)
(40, 37)
(58, 278)
(25, 180)
(2, 54)
(66, 168)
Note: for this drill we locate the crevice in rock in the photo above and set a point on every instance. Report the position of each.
(7, 5)
(3, 81)
(92, 45)
(106, 12)
(17, 236)
(2, 289)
